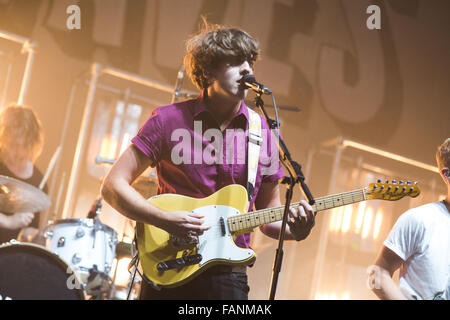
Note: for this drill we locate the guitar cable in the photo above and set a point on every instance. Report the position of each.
(135, 263)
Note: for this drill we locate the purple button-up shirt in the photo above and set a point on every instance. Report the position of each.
(194, 158)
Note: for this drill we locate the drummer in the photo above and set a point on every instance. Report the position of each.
(21, 142)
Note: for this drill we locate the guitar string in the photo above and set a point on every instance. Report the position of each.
(240, 219)
(248, 220)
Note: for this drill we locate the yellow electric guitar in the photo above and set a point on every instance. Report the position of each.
(169, 261)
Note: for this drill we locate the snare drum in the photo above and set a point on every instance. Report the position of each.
(31, 272)
(85, 244)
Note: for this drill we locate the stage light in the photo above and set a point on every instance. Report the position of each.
(332, 220)
(338, 221)
(122, 274)
(360, 217)
(377, 225)
(347, 219)
(332, 296)
(125, 142)
(367, 223)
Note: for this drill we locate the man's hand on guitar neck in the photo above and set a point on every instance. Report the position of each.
(302, 220)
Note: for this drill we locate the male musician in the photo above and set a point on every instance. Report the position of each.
(21, 142)
(419, 244)
(216, 59)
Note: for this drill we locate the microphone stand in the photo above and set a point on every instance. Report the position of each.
(296, 176)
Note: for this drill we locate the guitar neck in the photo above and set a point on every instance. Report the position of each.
(254, 219)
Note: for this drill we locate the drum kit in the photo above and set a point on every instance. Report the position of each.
(78, 260)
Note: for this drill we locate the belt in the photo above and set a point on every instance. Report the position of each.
(228, 269)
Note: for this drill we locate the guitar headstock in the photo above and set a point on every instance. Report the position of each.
(391, 191)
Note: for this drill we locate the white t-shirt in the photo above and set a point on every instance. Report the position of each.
(421, 237)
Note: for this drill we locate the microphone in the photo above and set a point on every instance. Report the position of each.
(249, 81)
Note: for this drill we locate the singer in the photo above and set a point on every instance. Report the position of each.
(216, 60)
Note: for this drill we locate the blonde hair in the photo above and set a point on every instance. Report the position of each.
(443, 155)
(19, 124)
(214, 44)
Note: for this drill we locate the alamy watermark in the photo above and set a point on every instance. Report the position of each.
(374, 20)
(72, 281)
(189, 147)
(373, 277)
(74, 19)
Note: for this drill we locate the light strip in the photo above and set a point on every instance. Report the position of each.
(356, 145)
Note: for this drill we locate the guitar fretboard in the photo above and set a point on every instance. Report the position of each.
(254, 219)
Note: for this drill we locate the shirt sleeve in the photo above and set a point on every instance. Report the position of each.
(150, 137)
(406, 236)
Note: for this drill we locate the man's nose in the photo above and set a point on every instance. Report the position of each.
(246, 68)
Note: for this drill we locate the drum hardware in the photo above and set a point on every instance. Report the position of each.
(76, 258)
(101, 160)
(88, 246)
(61, 242)
(80, 233)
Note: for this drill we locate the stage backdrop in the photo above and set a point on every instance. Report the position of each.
(380, 77)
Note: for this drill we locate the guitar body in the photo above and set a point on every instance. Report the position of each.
(169, 262)
(216, 245)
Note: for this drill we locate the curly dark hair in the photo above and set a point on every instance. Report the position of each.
(213, 45)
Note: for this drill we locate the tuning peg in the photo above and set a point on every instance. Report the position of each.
(379, 181)
(401, 182)
(416, 183)
(408, 183)
(394, 181)
(387, 181)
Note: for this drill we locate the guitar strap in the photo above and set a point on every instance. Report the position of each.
(254, 146)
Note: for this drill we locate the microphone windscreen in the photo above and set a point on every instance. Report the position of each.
(248, 78)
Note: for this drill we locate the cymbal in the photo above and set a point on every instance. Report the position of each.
(19, 196)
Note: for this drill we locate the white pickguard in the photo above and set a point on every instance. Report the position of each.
(213, 245)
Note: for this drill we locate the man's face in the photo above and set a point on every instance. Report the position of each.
(225, 79)
(16, 151)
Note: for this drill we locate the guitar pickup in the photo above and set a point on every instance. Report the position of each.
(222, 226)
(179, 263)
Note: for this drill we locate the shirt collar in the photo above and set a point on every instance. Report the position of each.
(200, 107)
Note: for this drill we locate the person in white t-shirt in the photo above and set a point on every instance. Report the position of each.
(418, 244)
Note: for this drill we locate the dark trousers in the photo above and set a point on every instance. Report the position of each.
(213, 284)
